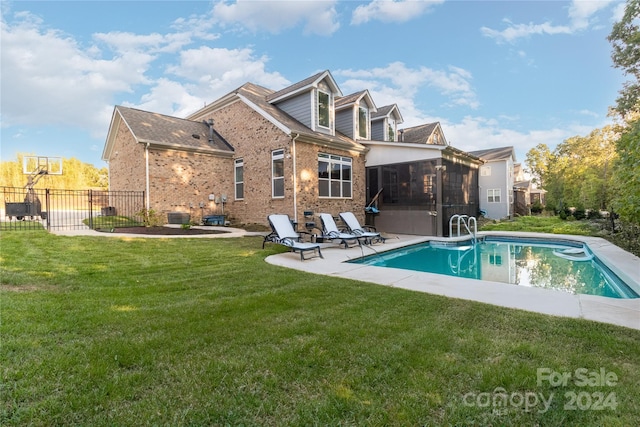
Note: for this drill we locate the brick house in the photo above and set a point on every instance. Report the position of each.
(253, 152)
(270, 152)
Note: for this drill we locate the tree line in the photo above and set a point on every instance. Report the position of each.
(76, 175)
(601, 171)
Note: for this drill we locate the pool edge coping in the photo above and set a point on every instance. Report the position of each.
(620, 312)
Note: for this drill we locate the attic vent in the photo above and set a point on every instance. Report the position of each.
(196, 136)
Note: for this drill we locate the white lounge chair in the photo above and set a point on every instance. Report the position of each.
(367, 232)
(284, 234)
(330, 231)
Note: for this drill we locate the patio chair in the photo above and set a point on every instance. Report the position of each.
(284, 234)
(367, 232)
(330, 231)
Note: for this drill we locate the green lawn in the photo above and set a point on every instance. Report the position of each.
(102, 331)
(541, 224)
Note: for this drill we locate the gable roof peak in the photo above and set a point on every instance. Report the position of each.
(350, 100)
(305, 85)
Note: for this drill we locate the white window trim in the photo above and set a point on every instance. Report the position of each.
(366, 122)
(329, 104)
(485, 170)
(276, 155)
(239, 163)
(492, 192)
(330, 158)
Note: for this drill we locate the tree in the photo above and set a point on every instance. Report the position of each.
(76, 175)
(627, 174)
(538, 160)
(625, 39)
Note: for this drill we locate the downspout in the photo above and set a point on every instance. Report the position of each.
(295, 178)
(146, 161)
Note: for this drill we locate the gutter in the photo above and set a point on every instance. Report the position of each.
(146, 161)
(295, 177)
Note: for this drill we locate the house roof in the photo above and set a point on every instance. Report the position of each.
(349, 100)
(166, 131)
(305, 85)
(501, 153)
(419, 134)
(387, 110)
(257, 97)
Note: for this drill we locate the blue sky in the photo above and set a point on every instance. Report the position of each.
(493, 73)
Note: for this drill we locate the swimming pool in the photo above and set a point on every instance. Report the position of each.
(566, 266)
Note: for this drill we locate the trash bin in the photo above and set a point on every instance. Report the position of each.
(178, 218)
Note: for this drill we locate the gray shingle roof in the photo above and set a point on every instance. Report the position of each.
(171, 131)
(494, 153)
(259, 96)
(382, 112)
(349, 99)
(297, 86)
(418, 134)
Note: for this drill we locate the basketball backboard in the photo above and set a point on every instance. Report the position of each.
(34, 165)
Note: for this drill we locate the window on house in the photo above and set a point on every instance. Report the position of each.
(485, 171)
(493, 195)
(334, 176)
(323, 109)
(363, 122)
(391, 131)
(277, 173)
(239, 179)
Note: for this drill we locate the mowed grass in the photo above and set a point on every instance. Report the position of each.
(105, 331)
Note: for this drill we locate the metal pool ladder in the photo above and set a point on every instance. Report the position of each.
(469, 223)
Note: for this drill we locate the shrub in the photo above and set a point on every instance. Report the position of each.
(579, 213)
(536, 207)
(151, 218)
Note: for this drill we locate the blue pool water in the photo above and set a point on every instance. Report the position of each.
(565, 266)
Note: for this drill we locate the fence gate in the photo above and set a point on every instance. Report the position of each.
(52, 209)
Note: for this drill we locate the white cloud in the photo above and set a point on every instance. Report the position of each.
(396, 83)
(392, 10)
(47, 78)
(581, 15)
(318, 17)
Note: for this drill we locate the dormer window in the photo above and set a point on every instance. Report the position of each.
(324, 110)
(391, 129)
(363, 122)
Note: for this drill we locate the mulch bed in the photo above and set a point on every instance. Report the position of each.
(163, 231)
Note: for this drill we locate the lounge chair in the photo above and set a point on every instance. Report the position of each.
(367, 232)
(330, 231)
(284, 234)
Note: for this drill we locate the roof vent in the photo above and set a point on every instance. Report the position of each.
(195, 135)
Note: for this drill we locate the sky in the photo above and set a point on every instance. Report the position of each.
(493, 73)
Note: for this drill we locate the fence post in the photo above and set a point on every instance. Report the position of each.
(90, 195)
(47, 203)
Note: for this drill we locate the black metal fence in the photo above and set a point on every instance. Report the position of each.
(32, 208)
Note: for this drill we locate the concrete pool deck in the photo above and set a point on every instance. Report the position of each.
(621, 312)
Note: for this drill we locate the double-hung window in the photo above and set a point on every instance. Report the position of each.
(324, 117)
(277, 173)
(239, 179)
(334, 176)
(493, 195)
(363, 122)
